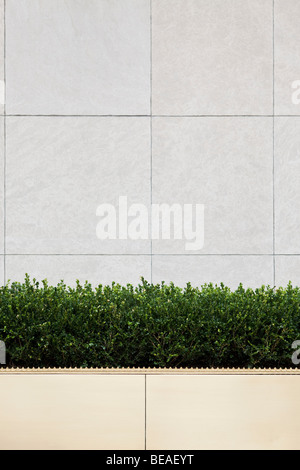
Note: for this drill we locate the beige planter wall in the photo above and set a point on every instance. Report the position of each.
(223, 412)
(149, 409)
(164, 101)
(72, 411)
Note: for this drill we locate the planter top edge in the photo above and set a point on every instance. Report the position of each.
(151, 371)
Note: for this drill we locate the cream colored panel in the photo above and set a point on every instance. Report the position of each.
(71, 412)
(223, 412)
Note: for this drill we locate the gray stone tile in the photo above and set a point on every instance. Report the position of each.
(2, 144)
(78, 57)
(2, 40)
(226, 164)
(286, 56)
(287, 189)
(60, 169)
(94, 269)
(251, 271)
(212, 57)
(287, 268)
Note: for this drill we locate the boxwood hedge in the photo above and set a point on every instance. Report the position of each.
(148, 325)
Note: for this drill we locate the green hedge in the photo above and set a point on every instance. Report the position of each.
(148, 325)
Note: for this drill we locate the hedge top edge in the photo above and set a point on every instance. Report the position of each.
(149, 326)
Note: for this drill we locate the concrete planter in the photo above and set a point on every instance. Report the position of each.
(149, 409)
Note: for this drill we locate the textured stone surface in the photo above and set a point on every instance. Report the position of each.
(251, 271)
(78, 57)
(183, 92)
(286, 55)
(212, 57)
(225, 164)
(60, 169)
(95, 269)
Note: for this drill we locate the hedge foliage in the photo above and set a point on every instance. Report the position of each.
(148, 325)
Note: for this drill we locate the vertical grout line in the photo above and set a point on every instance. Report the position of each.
(4, 145)
(145, 412)
(273, 138)
(151, 251)
(151, 277)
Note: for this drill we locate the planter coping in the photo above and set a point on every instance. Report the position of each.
(151, 371)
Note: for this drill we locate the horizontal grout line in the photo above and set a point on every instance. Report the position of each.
(77, 254)
(76, 115)
(149, 254)
(149, 115)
